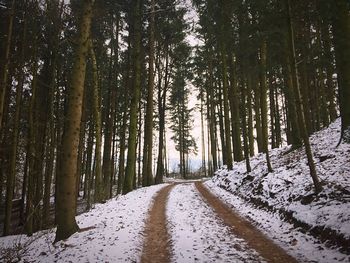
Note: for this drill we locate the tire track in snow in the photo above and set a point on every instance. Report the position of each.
(243, 228)
(198, 235)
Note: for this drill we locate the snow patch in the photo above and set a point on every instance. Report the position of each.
(116, 236)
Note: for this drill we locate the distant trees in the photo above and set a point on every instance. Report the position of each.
(277, 59)
(180, 114)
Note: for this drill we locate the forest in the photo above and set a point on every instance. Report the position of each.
(92, 93)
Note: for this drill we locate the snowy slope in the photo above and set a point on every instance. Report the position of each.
(289, 191)
(301, 246)
(117, 236)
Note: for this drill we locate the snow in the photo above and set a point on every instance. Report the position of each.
(303, 247)
(288, 190)
(116, 236)
(198, 235)
(282, 204)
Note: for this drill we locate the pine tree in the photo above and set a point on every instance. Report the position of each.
(148, 145)
(130, 170)
(181, 118)
(341, 29)
(66, 178)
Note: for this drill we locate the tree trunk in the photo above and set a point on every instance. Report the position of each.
(341, 30)
(54, 14)
(161, 112)
(293, 126)
(299, 104)
(99, 195)
(11, 175)
(257, 115)
(278, 120)
(138, 180)
(244, 128)
(88, 172)
(272, 113)
(220, 113)
(110, 116)
(227, 132)
(31, 147)
(121, 170)
(130, 169)
(148, 137)
(66, 197)
(249, 119)
(80, 164)
(234, 106)
(4, 73)
(211, 115)
(263, 103)
(51, 155)
(328, 56)
(204, 165)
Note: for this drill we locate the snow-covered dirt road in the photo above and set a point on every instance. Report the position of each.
(173, 223)
(201, 228)
(198, 234)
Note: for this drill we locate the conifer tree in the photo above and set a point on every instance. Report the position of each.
(66, 178)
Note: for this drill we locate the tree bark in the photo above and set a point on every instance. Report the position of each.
(329, 67)
(257, 113)
(204, 165)
(244, 129)
(110, 116)
(148, 137)
(299, 104)
(249, 119)
(11, 175)
(161, 112)
(121, 170)
(88, 170)
(130, 170)
(4, 75)
(99, 195)
(234, 106)
(227, 133)
(31, 146)
(220, 113)
(263, 103)
(341, 30)
(66, 196)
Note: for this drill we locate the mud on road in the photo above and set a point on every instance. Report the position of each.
(157, 246)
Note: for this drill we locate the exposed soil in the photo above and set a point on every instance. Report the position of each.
(156, 247)
(244, 229)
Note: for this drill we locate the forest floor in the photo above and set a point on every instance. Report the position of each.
(233, 217)
(179, 222)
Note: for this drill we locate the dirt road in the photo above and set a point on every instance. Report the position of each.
(222, 226)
